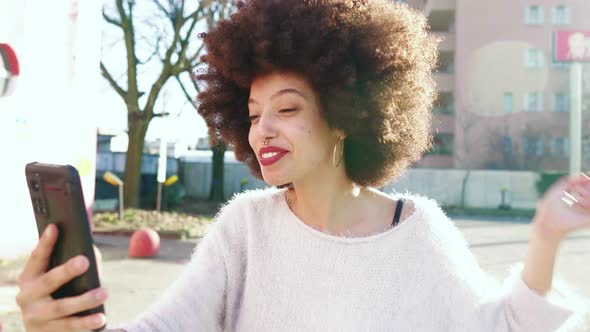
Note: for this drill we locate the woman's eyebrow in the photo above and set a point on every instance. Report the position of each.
(281, 92)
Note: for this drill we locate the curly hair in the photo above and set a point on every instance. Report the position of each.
(370, 62)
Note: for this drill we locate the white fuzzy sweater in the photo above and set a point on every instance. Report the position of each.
(260, 268)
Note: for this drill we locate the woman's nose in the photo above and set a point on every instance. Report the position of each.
(266, 125)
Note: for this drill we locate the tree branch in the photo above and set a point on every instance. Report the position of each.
(111, 20)
(184, 42)
(186, 94)
(107, 75)
(156, 51)
(160, 7)
(129, 37)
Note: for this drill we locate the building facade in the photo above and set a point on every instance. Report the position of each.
(503, 103)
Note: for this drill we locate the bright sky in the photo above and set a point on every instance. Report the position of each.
(184, 123)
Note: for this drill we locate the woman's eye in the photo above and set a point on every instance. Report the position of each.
(253, 117)
(288, 110)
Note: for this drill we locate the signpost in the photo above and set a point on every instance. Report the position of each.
(574, 47)
(117, 182)
(161, 171)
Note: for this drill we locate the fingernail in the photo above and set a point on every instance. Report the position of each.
(81, 262)
(47, 231)
(100, 294)
(100, 319)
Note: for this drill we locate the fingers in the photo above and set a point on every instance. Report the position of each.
(39, 260)
(74, 323)
(581, 196)
(576, 192)
(581, 179)
(68, 306)
(52, 280)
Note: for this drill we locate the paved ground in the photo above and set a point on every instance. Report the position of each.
(134, 283)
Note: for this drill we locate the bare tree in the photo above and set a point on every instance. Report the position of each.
(502, 144)
(166, 29)
(465, 122)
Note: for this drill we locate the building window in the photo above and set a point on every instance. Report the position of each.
(560, 65)
(533, 146)
(534, 15)
(508, 102)
(533, 58)
(560, 102)
(560, 147)
(533, 102)
(507, 145)
(560, 15)
(444, 104)
(442, 145)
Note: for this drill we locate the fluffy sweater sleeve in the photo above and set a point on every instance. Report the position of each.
(195, 301)
(475, 301)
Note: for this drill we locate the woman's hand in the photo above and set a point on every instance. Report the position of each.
(40, 312)
(564, 208)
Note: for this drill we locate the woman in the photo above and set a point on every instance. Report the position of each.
(327, 100)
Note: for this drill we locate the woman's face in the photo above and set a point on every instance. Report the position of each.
(285, 110)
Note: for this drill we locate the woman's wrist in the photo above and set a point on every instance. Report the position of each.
(540, 261)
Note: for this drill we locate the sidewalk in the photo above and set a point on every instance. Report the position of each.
(134, 283)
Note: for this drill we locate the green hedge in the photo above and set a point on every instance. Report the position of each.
(546, 179)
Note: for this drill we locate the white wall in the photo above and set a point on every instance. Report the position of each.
(51, 115)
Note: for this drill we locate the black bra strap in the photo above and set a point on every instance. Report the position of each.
(398, 212)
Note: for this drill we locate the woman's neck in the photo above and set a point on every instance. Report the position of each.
(334, 208)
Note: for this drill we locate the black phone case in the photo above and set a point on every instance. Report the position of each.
(56, 195)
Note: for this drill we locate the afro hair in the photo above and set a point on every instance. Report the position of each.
(370, 61)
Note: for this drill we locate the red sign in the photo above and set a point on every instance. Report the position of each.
(9, 70)
(571, 46)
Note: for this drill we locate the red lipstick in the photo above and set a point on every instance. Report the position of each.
(277, 153)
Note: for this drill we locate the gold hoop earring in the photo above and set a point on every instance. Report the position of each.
(334, 163)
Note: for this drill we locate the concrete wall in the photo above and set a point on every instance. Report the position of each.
(483, 186)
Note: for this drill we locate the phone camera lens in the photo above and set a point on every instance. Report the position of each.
(38, 206)
(35, 185)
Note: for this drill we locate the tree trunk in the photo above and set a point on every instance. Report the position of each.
(137, 130)
(464, 188)
(216, 193)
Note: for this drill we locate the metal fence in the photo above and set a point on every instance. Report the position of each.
(115, 162)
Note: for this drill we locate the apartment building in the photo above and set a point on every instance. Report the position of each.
(503, 102)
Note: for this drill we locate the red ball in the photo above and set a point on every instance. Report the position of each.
(144, 243)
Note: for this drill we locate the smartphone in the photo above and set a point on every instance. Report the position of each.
(57, 198)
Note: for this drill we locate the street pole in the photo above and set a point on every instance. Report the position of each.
(121, 204)
(575, 118)
(159, 198)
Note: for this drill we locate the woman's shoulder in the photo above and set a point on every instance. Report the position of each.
(234, 214)
(439, 227)
(427, 208)
(249, 201)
